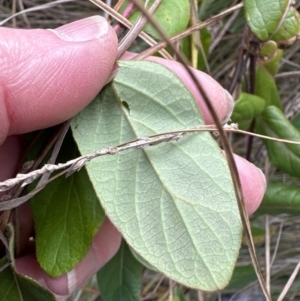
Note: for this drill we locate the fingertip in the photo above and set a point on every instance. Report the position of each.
(47, 78)
(253, 183)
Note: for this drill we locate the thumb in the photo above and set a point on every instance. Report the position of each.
(47, 76)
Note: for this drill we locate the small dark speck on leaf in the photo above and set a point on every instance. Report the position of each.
(126, 106)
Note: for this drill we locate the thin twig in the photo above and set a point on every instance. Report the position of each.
(139, 143)
(136, 29)
(187, 32)
(126, 14)
(128, 24)
(218, 38)
(267, 252)
(36, 8)
(289, 283)
(277, 244)
(289, 73)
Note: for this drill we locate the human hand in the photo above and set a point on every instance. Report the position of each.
(48, 77)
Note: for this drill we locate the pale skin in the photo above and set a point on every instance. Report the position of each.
(47, 77)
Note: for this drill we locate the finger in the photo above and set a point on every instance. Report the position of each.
(253, 183)
(220, 98)
(105, 244)
(48, 76)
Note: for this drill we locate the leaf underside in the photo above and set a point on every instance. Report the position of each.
(174, 203)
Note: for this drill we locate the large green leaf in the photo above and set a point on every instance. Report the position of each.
(121, 277)
(247, 107)
(272, 19)
(16, 287)
(67, 215)
(284, 156)
(172, 15)
(280, 198)
(174, 203)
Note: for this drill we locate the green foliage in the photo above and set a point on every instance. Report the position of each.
(265, 87)
(171, 202)
(67, 215)
(272, 19)
(284, 156)
(242, 276)
(16, 287)
(280, 198)
(172, 15)
(120, 278)
(246, 108)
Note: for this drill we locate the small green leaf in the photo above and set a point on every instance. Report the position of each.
(246, 108)
(121, 277)
(172, 15)
(280, 198)
(67, 215)
(268, 48)
(272, 19)
(16, 287)
(284, 156)
(272, 64)
(265, 87)
(174, 203)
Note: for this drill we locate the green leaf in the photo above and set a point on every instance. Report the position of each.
(284, 156)
(296, 121)
(268, 48)
(16, 287)
(242, 276)
(280, 198)
(67, 215)
(265, 87)
(174, 203)
(246, 108)
(172, 15)
(121, 277)
(272, 64)
(272, 19)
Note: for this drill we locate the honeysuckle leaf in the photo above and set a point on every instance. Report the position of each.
(121, 277)
(265, 87)
(174, 203)
(16, 287)
(247, 107)
(67, 215)
(172, 15)
(272, 19)
(284, 156)
(280, 198)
